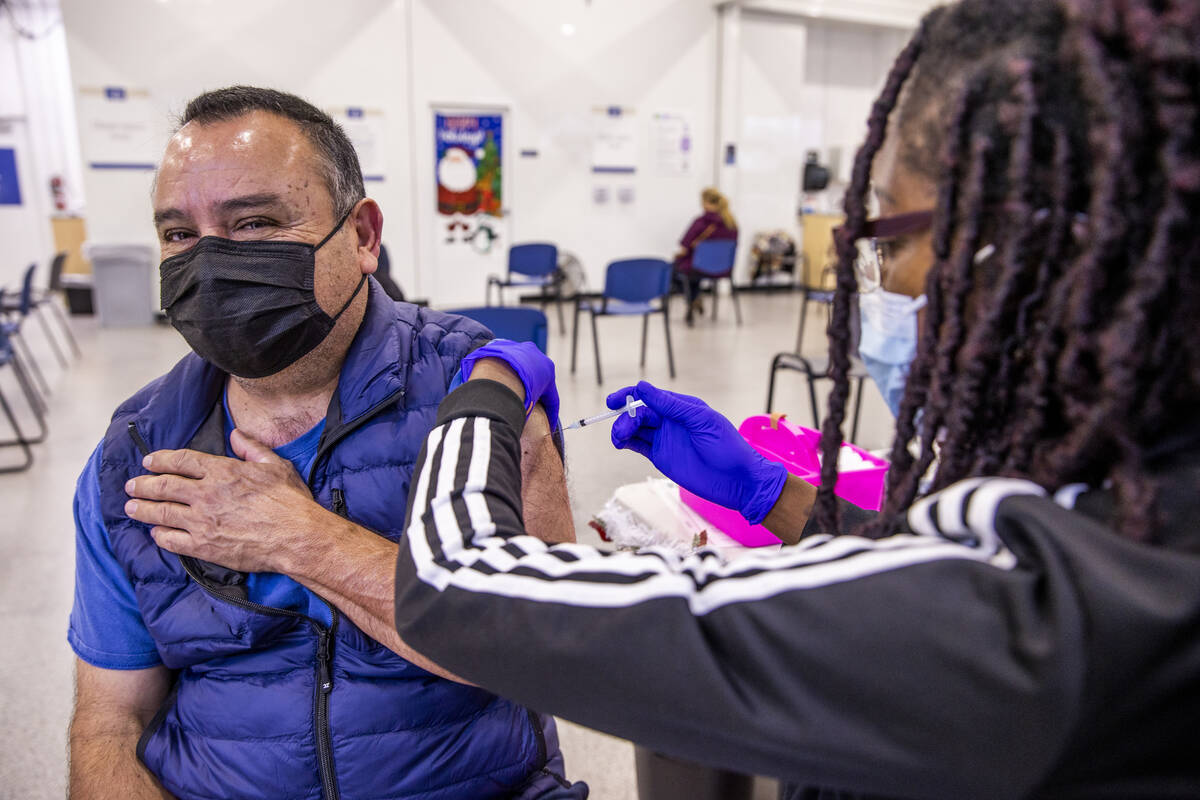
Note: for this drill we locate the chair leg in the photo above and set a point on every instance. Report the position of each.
(857, 408)
(58, 353)
(65, 324)
(37, 406)
(667, 331)
(812, 400)
(562, 326)
(20, 441)
(596, 349)
(20, 346)
(645, 330)
(37, 403)
(575, 336)
(716, 287)
(771, 383)
(737, 306)
(803, 320)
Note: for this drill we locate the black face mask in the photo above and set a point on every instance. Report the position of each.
(248, 307)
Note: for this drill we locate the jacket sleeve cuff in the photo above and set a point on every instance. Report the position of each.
(483, 398)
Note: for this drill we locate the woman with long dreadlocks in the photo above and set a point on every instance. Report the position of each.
(1023, 616)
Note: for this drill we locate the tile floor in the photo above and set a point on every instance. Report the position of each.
(725, 363)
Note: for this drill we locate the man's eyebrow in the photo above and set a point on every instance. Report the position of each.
(233, 204)
(168, 215)
(250, 201)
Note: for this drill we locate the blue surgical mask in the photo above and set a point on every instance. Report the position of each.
(888, 342)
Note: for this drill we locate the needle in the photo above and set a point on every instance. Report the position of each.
(631, 406)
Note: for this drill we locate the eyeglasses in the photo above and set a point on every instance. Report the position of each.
(876, 244)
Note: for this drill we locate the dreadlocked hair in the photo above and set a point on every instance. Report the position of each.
(1065, 134)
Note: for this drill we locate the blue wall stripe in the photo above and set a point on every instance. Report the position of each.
(617, 170)
(372, 177)
(120, 165)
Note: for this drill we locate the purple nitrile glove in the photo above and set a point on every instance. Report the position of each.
(533, 367)
(698, 449)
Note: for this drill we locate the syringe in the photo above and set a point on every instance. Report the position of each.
(631, 406)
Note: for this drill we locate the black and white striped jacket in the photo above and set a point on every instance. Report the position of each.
(1007, 646)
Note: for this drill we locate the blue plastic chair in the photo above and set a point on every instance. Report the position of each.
(8, 356)
(40, 298)
(15, 315)
(631, 288)
(511, 322)
(533, 265)
(713, 259)
(30, 303)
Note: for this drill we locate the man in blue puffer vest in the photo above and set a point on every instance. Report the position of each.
(197, 681)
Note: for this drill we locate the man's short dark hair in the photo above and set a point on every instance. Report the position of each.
(338, 161)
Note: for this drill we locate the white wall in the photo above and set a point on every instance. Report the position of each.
(36, 121)
(805, 84)
(896, 13)
(799, 82)
(643, 54)
(335, 55)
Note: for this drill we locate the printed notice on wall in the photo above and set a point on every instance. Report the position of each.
(367, 131)
(671, 144)
(120, 128)
(614, 141)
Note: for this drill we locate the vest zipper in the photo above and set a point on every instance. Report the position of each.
(329, 787)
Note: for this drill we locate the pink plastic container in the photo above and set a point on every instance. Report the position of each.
(795, 447)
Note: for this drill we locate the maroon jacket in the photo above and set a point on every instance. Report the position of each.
(708, 225)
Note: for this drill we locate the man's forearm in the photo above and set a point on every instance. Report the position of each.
(104, 764)
(355, 569)
(545, 503)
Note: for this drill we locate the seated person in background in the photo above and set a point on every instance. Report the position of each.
(206, 682)
(715, 223)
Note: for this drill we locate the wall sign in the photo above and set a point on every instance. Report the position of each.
(120, 128)
(470, 178)
(672, 142)
(367, 132)
(10, 185)
(614, 141)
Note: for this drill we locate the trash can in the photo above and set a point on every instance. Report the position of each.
(123, 283)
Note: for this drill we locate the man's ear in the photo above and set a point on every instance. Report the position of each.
(368, 226)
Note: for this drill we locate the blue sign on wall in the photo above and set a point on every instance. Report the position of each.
(10, 187)
(114, 92)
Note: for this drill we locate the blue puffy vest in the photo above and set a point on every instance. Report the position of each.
(269, 703)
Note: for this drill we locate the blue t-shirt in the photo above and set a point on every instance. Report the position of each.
(106, 628)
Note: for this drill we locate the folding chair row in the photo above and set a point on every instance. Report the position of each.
(16, 353)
